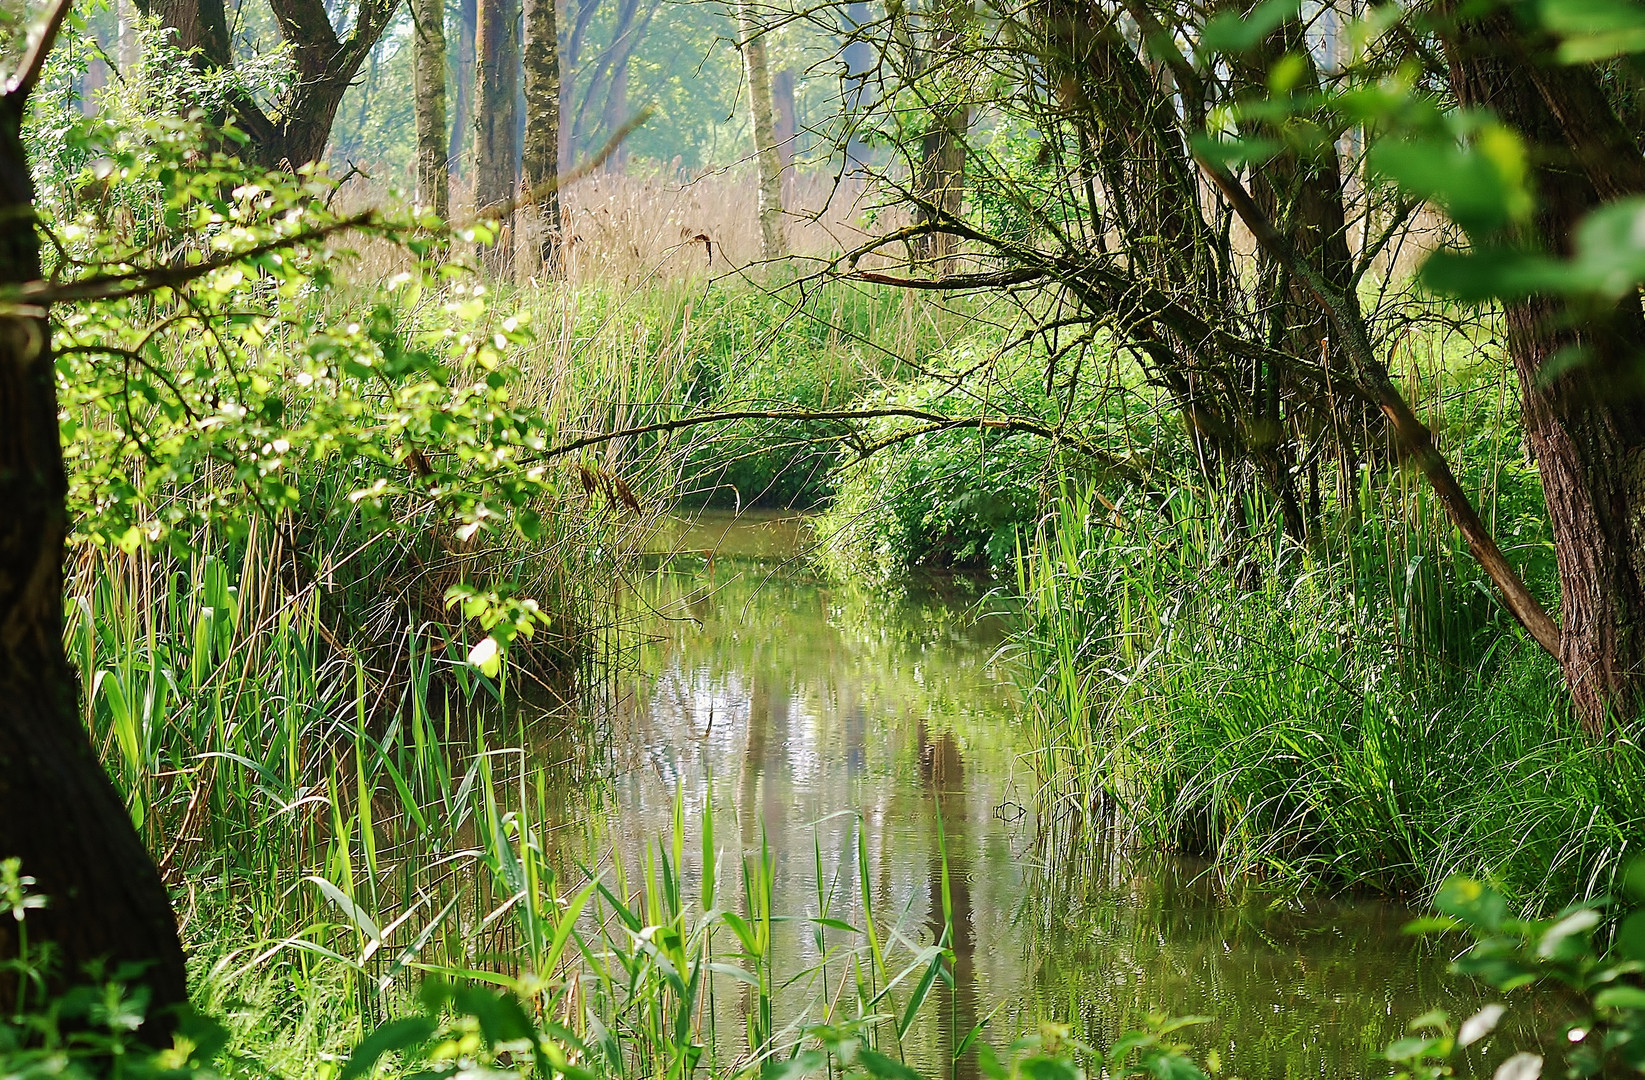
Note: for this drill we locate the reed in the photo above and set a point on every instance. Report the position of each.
(1354, 714)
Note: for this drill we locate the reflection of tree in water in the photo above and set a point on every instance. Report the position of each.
(764, 775)
(942, 769)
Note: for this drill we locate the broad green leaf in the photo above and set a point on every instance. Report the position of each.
(393, 1036)
(1235, 33)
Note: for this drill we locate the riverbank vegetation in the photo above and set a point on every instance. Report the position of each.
(1279, 361)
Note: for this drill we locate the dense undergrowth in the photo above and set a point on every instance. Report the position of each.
(335, 593)
(1356, 712)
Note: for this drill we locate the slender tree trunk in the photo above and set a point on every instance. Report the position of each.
(126, 54)
(433, 162)
(616, 114)
(940, 176)
(1303, 196)
(496, 124)
(787, 128)
(463, 83)
(858, 56)
(628, 30)
(758, 75)
(1585, 426)
(59, 813)
(571, 76)
(542, 124)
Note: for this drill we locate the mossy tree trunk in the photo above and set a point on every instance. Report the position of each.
(299, 127)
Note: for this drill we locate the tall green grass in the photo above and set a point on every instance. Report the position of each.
(1358, 713)
(344, 807)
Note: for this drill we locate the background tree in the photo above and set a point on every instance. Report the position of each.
(433, 139)
(462, 82)
(295, 129)
(768, 161)
(496, 119)
(542, 124)
(940, 169)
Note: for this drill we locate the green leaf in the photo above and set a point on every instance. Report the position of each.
(801, 1064)
(1481, 184)
(363, 922)
(1471, 902)
(1577, 925)
(1630, 936)
(1234, 33)
(1593, 30)
(501, 1018)
(1171, 1065)
(1412, 1048)
(1620, 997)
(877, 1064)
(392, 1036)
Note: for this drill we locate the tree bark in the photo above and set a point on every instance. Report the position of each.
(785, 120)
(496, 121)
(198, 26)
(468, 16)
(857, 54)
(300, 126)
(542, 125)
(772, 243)
(1586, 426)
(59, 813)
(940, 175)
(433, 162)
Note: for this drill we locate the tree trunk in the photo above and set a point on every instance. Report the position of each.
(787, 128)
(433, 163)
(940, 175)
(615, 115)
(786, 124)
(772, 244)
(857, 54)
(59, 813)
(463, 83)
(1303, 196)
(126, 53)
(1586, 426)
(571, 74)
(627, 31)
(496, 149)
(198, 26)
(300, 126)
(542, 125)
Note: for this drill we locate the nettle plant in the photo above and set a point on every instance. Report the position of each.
(216, 365)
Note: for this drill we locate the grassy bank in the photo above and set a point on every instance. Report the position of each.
(1358, 712)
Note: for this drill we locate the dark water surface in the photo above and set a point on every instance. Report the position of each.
(807, 707)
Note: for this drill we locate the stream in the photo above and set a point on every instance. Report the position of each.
(798, 708)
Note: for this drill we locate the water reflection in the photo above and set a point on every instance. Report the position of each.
(799, 707)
